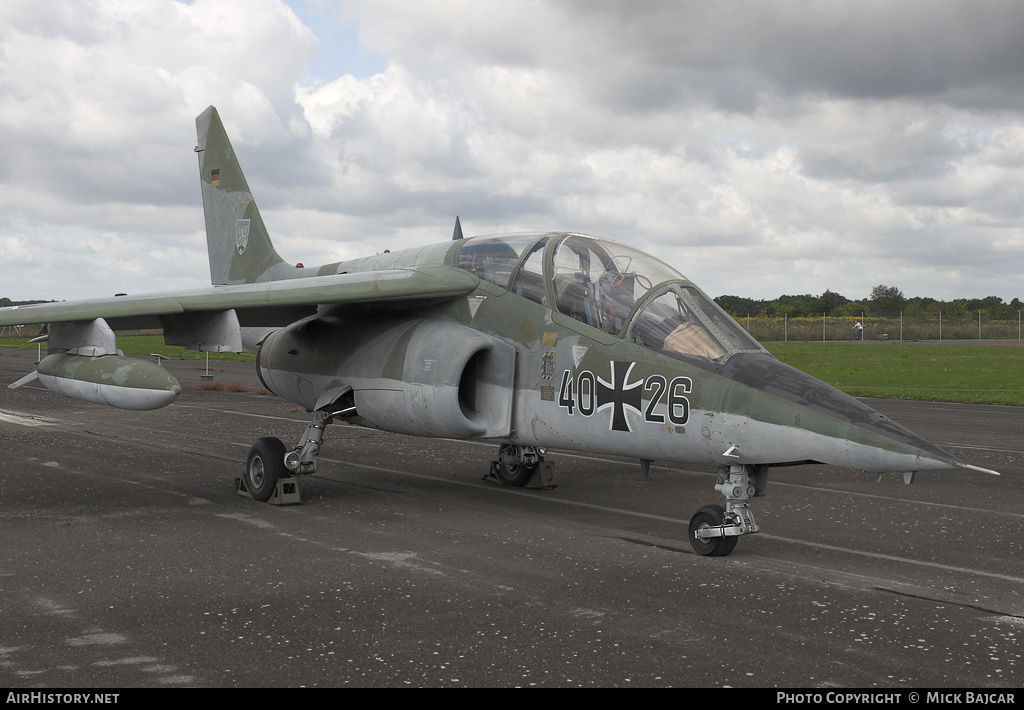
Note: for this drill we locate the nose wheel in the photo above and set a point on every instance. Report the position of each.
(714, 530)
(704, 521)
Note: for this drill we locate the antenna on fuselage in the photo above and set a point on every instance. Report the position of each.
(458, 230)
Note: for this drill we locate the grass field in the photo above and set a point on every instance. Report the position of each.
(939, 373)
(144, 345)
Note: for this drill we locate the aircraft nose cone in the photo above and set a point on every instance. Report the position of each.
(829, 426)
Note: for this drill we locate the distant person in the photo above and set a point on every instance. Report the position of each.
(858, 331)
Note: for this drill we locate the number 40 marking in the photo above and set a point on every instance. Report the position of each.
(579, 395)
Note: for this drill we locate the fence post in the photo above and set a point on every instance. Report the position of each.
(979, 324)
(940, 325)
(901, 326)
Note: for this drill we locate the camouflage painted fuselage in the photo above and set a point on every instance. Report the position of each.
(494, 364)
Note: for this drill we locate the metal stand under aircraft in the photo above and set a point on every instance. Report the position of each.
(714, 531)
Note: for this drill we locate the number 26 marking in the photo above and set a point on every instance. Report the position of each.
(580, 395)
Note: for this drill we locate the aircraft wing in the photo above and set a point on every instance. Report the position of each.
(264, 303)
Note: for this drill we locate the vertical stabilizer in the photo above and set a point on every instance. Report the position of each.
(240, 249)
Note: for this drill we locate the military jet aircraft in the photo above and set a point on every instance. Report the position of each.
(530, 341)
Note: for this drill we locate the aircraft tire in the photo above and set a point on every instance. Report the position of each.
(708, 516)
(264, 466)
(517, 475)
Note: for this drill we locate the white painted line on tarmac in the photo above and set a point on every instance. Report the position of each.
(26, 419)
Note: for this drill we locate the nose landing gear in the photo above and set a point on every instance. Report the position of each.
(714, 531)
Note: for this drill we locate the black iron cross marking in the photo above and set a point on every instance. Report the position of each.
(619, 395)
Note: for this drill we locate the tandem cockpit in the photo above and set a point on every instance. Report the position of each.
(618, 291)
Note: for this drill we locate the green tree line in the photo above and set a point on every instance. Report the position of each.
(884, 301)
(5, 302)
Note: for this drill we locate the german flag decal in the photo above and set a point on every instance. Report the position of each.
(215, 177)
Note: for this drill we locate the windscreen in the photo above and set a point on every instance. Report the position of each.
(683, 321)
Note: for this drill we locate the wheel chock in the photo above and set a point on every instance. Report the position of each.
(492, 475)
(542, 479)
(286, 492)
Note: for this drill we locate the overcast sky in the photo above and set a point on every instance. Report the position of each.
(762, 148)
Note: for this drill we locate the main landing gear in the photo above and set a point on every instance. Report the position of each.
(270, 469)
(714, 531)
(520, 466)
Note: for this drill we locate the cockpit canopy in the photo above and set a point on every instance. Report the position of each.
(610, 287)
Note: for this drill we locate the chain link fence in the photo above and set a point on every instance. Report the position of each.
(12, 332)
(823, 328)
(827, 328)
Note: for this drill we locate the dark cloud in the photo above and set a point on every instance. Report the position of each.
(647, 55)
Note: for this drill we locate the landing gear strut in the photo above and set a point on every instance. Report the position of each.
(301, 460)
(270, 468)
(714, 530)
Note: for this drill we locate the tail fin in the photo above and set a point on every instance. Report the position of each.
(240, 249)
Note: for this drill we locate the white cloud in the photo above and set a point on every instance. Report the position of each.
(97, 102)
(764, 148)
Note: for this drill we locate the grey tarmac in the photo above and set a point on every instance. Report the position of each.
(130, 561)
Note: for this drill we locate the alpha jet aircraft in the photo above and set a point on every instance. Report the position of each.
(529, 341)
